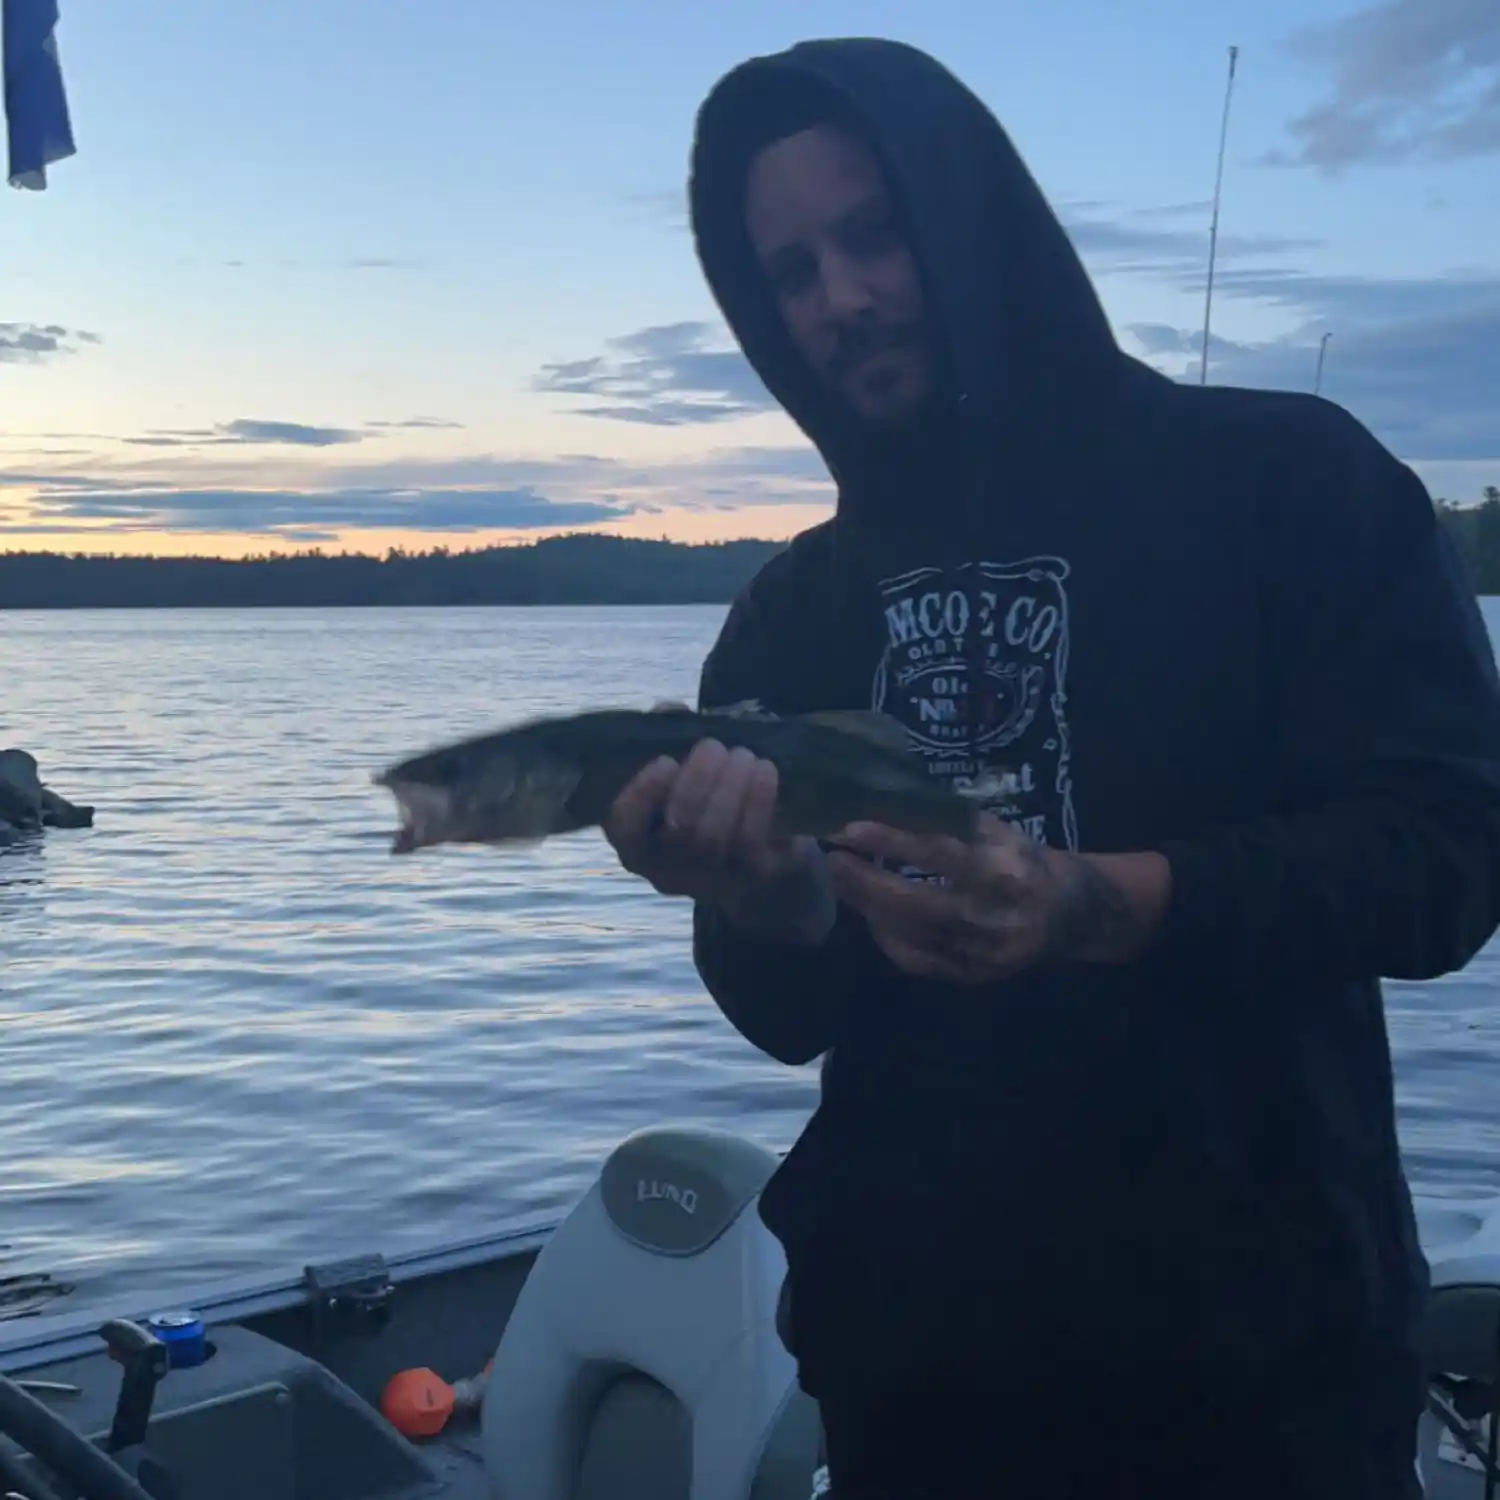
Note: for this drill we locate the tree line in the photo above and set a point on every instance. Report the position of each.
(1476, 531)
(581, 568)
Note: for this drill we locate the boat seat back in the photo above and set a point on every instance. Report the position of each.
(1459, 1334)
(642, 1357)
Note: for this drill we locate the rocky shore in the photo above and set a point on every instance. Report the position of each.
(27, 805)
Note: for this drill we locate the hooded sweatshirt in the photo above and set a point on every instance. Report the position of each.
(1218, 623)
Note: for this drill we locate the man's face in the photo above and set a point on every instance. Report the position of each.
(825, 231)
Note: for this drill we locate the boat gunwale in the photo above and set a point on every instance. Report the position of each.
(31, 1341)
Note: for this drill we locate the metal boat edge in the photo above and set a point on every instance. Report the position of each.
(45, 1339)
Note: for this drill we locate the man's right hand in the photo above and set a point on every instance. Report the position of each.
(704, 830)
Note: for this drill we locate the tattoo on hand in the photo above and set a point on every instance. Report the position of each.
(1091, 915)
(799, 906)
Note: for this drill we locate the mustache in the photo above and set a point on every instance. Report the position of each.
(858, 342)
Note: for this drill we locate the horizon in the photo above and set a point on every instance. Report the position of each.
(263, 310)
(433, 548)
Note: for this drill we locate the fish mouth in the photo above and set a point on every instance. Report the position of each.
(425, 812)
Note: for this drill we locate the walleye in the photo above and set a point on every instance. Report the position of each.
(557, 775)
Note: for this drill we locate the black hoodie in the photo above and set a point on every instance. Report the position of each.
(1219, 623)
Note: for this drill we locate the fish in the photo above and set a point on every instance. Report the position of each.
(560, 774)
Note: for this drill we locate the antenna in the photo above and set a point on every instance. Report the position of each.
(1322, 350)
(1213, 228)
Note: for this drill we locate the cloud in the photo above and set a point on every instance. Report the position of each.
(1409, 80)
(25, 479)
(475, 493)
(250, 431)
(384, 263)
(1161, 339)
(1197, 207)
(30, 343)
(245, 430)
(679, 374)
(567, 476)
(303, 515)
(1425, 385)
(761, 475)
(668, 375)
(1345, 299)
(1414, 358)
(665, 208)
(423, 422)
(1417, 359)
(1157, 241)
(1114, 239)
(347, 263)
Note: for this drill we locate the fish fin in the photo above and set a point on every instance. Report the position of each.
(746, 708)
(989, 783)
(868, 724)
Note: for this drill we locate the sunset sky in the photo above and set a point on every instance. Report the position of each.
(335, 273)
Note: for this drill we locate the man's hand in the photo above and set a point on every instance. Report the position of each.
(704, 830)
(1009, 902)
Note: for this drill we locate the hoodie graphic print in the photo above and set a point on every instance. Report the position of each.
(924, 680)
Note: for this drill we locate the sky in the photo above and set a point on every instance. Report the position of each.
(370, 273)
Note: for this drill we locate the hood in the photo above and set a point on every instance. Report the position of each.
(1024, 349)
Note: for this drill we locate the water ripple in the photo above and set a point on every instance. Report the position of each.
(239, 1035)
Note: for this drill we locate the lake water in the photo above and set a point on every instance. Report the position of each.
(237, 1035)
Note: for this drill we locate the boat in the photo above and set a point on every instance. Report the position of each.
(630, 1349)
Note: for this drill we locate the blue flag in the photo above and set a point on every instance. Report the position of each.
(36, 106)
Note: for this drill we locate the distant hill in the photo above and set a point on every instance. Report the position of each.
(583, 568)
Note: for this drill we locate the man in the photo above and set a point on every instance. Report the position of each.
(1103, 1195)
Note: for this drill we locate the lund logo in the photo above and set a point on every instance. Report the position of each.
(685, 1198)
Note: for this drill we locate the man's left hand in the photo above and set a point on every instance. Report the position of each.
(1008, 903)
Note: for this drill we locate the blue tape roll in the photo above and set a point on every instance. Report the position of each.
(184, 1336)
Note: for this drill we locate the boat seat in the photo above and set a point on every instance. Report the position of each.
(1460, 1330)
(1460, 1333)
(642, 1357)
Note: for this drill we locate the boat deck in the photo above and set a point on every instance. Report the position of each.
(287, 1408)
